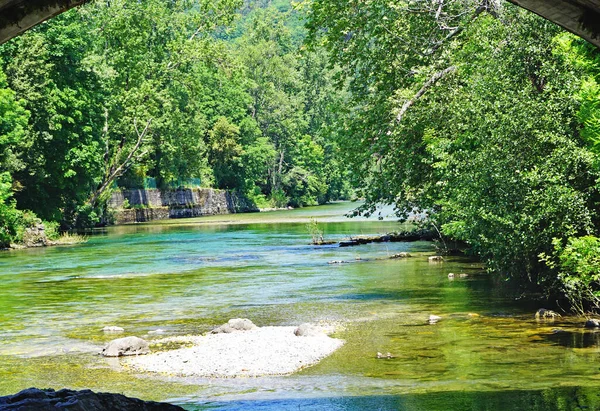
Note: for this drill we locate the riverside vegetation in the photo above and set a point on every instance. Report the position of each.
(482, 115)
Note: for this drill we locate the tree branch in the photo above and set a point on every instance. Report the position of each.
(434, 79)
(115, 171)
(484, 6)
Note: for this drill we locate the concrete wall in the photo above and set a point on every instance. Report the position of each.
(148, 205)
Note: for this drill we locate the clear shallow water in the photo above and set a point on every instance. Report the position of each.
(187, 276)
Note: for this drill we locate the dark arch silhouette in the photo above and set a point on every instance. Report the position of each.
(17, 16)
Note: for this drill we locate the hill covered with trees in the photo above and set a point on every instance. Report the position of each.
(163, 94)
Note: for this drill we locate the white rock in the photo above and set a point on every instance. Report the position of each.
(434, 319)
(235, 324)
(307, 330)
(125, 346)
(113, 329)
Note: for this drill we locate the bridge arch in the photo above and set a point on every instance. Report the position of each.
(581, 17)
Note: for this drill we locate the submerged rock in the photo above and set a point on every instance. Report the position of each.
(126, 346)
(85, 400)
(544, 314)
(436, 259)
(235, 324)
(592, 323)
(307, 330)
(401, 255)
(387, 356)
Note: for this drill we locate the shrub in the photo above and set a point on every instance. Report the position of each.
(578, 265)
(315, 231)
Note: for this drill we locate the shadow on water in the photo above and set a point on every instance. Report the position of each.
(558, 399)
(573, 339)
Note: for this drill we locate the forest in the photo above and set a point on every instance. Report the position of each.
(477, 113)
(163, 95)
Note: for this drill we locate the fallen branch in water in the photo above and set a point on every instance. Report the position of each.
(402, 236)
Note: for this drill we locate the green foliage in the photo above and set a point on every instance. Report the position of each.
(303, 187)
(52, 230)
(13, 123)
(479, 127)
(578, 265)
(115, 93)
(10, 217)
(63, 150)
(226, 153)
(279, 199)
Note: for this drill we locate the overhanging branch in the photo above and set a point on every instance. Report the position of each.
(429, 83)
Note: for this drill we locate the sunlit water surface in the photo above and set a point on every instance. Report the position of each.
(188, 276)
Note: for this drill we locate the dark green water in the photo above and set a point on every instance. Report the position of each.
(187, 276)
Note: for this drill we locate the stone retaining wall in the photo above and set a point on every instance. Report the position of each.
(152, 204)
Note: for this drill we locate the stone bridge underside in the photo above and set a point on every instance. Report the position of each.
(581, 17)
(16, 16)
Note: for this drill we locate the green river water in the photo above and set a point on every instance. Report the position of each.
(188, 276)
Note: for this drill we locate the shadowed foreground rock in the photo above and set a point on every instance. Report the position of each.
(34, 399)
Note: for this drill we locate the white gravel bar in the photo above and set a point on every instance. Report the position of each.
(259, 352)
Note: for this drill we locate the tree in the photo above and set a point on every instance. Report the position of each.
(13, 123)
(46, 68)
(469, 116)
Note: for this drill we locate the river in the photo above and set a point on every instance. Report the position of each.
(188, 276)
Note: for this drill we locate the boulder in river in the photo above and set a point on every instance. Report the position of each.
(592, 323)
(35, 236)
(436, 259)
(307, 330)
(84, 400)
(544, 314)
(126, 346)
(235, 324)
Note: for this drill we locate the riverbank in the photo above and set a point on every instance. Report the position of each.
(38, 235)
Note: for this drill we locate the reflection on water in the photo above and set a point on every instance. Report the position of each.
(545, 400)
(573, 339)
(187, 276)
